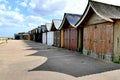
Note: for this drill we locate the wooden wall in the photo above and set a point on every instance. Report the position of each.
(62, 38)
(80, 40)
(117, 40)
(70, 39)
(95, 19)
(98, 40)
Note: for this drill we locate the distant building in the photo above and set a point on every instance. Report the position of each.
(22, 36)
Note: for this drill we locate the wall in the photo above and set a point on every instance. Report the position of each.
(95, 19)
(80, 39)
(57, 38)
(117, 40)
(62, 38)
(98, 40)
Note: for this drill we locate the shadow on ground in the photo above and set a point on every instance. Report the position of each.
(68, 62)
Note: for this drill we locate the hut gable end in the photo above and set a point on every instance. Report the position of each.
(94, 19)
(105, 11)
(69, 20)
(55, 24)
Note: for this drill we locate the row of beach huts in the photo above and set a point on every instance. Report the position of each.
(95, 33)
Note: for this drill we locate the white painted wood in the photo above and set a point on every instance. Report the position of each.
(50, 38)
(44, 37)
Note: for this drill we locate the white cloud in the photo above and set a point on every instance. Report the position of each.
(2, 7)
(17, 9)
(46, 7)
(24, 4)
(58, 7)
(11, 18)
(76, 7)
(35, 20)
(32, 25)
(32, 5)
(9, 7)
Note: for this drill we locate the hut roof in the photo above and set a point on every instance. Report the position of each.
(55, 24)
(72, 19)
(43, 28)
(48, 26)
(107, 12)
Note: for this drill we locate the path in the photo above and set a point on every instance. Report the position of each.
(16, 63)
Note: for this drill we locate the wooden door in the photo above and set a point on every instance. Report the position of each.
(50, 38)
(86, 38)
(66, 39)
(44, 38)
(62, 37)
(55, 38)
(58, 39)
(98, 38)
(73, 39)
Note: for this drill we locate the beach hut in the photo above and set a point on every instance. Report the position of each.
(69, 31)
(44, 34)
(55, 28)
(38, 34)
(50, 35)
(30, 33)
(22, 36)
(33, 34)
(101, 36)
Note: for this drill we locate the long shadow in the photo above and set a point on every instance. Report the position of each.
(68, 62)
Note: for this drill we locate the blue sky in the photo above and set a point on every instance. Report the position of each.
(24, 15)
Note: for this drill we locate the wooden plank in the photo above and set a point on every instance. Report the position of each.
(62, 38)
(86, 38)
(58, 38)
(73, 39)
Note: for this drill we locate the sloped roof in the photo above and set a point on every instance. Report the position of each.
(72, 19)
(56, 24)
(43, 28)
(107, 12)
(39, 29)
(48, 26)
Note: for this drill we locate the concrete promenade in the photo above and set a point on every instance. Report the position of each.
(19, 59)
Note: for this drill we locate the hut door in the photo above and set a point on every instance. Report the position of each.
(73, 39)
(44, 38)
(105, 38)
(58, 38)
(88, 39)
(66, 37)
(55, 38)
(108, 36)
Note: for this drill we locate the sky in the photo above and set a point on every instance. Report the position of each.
(24, 15)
